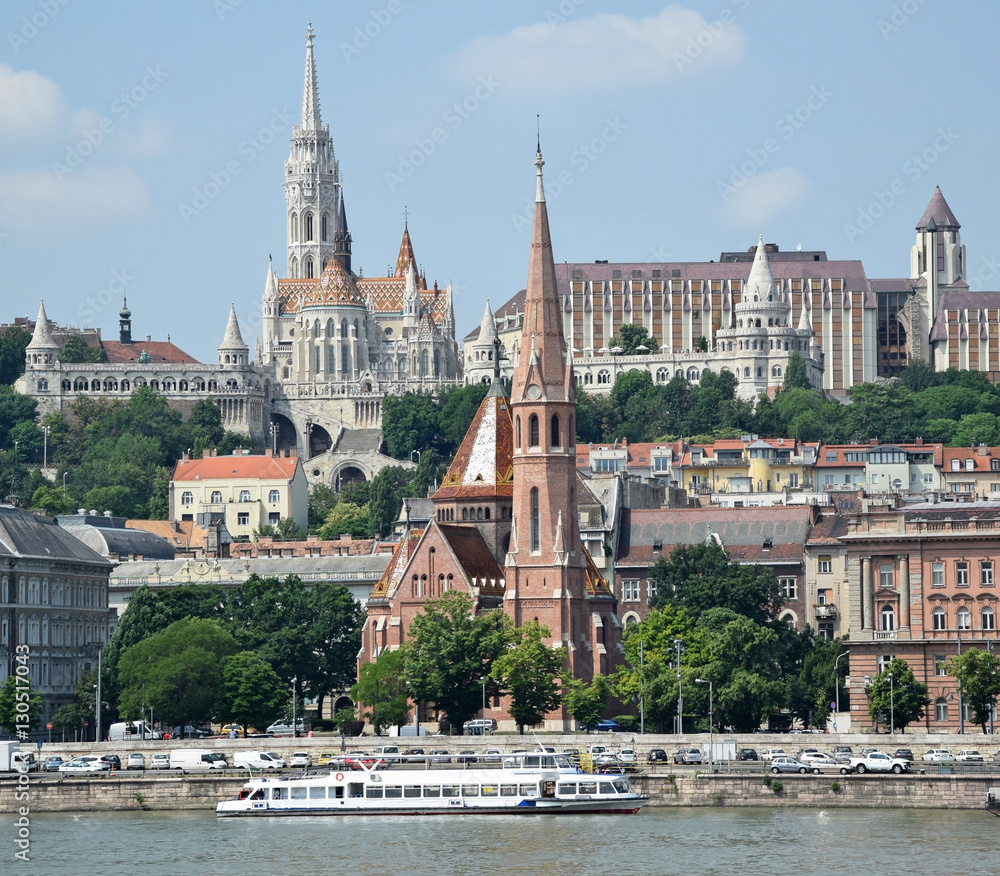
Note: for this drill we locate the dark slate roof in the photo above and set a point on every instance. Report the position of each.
(107, 540)
(893, 284)
(743, 532)
(940, 212)
(828, 529)
(24, 535)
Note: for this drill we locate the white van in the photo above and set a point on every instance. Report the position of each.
(258, 760)
(192, 760)
(130, 731)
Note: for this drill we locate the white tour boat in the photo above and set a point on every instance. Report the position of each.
(522, 783)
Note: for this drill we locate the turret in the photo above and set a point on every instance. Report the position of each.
(233, 352)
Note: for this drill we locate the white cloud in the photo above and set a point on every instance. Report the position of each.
(151, 139)
(36, 198)
(604, 50)
(30, 104)
(764, 196)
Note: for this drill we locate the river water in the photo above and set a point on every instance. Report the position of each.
(656, 841)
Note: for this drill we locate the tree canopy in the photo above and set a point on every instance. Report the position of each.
(895, 697)
(528, 671)
(978, 673)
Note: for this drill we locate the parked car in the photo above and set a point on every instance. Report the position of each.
(440, 755)
(877, 762)
(806, 753)
(819, 758)
(479, 726)
(969, 755)
(657, 755)
(603, 726)
(160, 761)
(51, 764)
(687, 755)
(358, 760)
(904, 754)
(299, 759)
(747, 754)
(842, 753)
(938, 755)
(285, 728)
(190, 732)
(135, 761)
(466, 756)
(327, 757)
(628, 755)
(785, 764)
(86, 764)
(772, 753)
(113, 760)
(491, 755)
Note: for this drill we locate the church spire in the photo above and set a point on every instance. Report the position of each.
(310, 90)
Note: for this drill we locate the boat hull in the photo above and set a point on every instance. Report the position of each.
(597, 807)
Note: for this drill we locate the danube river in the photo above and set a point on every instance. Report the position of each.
(656, 841)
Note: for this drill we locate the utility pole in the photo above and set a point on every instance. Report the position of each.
(642, 700)
(680, 692)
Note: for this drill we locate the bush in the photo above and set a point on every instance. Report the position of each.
(627, 723)
(777, 786)
(835, 786)
(323, 725)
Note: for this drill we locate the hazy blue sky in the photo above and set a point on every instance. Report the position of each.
(670, 133)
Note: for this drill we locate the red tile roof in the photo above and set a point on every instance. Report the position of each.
(980, 463)
(159, 352)
(216, 468)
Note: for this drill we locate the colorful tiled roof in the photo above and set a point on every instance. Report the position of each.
(393, 573)
(482, 465)
(217, 468)
(335, 286)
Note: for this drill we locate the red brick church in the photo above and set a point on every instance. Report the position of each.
(505, 527)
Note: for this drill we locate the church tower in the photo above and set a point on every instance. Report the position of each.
(546, 574)
(317, 220)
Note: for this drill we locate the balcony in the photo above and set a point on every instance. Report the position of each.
(826, 611)
(885, 635)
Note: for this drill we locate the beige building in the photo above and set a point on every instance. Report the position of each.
(242, 491)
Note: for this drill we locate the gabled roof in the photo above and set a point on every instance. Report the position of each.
(160, 352)
(482, 465)
(473, 555)
(980, 463)
(224, 468)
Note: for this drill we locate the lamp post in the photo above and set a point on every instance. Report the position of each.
(483, 681)
(680, 693)
(892, 707)
(274, 438)
(45, 445)
(64, 484)
(642, 699)
(836, 680)
(418, 456)
(711, 717)
(295, 726)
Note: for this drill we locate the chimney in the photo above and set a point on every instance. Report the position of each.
(982, 450)
(269, 453)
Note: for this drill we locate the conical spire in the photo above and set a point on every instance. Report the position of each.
(271, 284)
(761, 280)
(542, 332)
(233, 339)
(42, 338)
(406, 256)
(938, 215)
(310, 91)
(488, 327)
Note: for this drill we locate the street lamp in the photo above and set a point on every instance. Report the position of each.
(680, 693)
(295, 726)
(642, 699)
(418, 456)
(711, 717)
(64, 484)
(483, 680)
(836, 681)
(892, 707)
(274, 438)
(45, 445)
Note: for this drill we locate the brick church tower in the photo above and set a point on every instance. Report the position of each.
(548, 573)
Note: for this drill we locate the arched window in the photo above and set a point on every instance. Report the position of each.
(465, 513)
(124, 386)
(294, 230)
(67, 386)
(325, 228)
(760, 372)
(216, 497)
(43, 384)
(343, 328)
(309, 229)
(533, 430)
(95, 386)
(309, 268)
(662, 375)
(554, 437)
(536, 524)
(80, 384)
(588, 379)
(486, 513)
(941, 709)
(437, 363)
(479, 514)
(939, 619)
(888, 618)
(693, 374)
(424, 364)
(517, 431)
(987, 618)
(244, 495)
(964, 617)
(274, 496)
(776, 371)
(187, 498)
(603, 377)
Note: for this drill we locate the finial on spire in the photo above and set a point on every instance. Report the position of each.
(310, 91)
(538, 132)
(539, 163)
(406, 218)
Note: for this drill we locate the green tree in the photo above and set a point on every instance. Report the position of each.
(18, 690)
(322, 500)
(77, 350)
(884, 411)
(14, 409)
(978, 673)
(68, 718)
(528, 671)
(587, 701)
(13, 343)
(630, 337)
(336, 620)
(178, 671)
(596, 417)
(252, 693)
(459, 405)
(974, 429)
(204, 426)
(409, 422)
(389, 487)
(918, 375)
(159, 500)
(796, 374)
(902, 698)
(381, 688)
(449, 651)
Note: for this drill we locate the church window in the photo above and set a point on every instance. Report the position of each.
(533, 430)
(536, 530)
(424, 364)
(294, 231)
(343, 328)
(325, 228)
(356, 328)
(760, 372)
(517, 430)
(293, 267)
(554, 436)
(309, 230)
(319, 359)
(345, 360)
(309, 268)
(437, 363)
(746, 372)
(603, 377)
(776, 371)
(285, 373)
(331, 352)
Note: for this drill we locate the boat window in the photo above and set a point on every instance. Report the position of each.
(432, 790)
(489, 790)
(470, 790)
(356, 789)
(393, 791)
(563, 762)
(258, 794)
(529, 790)
(299, 793)
(532, 762)
(411, 791)
(607, 788)
(373, 791)
(279, 793)
(568, 789)
(317, 793)
(449, 790)
(336, 793)
(588, 787)
(622, 787)
(508, 790)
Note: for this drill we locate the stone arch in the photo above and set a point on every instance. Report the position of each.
(349, 471)
(319, 441)
(287, 437)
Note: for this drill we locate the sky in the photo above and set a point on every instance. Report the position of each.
(142, 144)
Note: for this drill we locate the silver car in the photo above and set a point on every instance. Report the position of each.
(86, 764)
(786, 764)
(688, 755)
